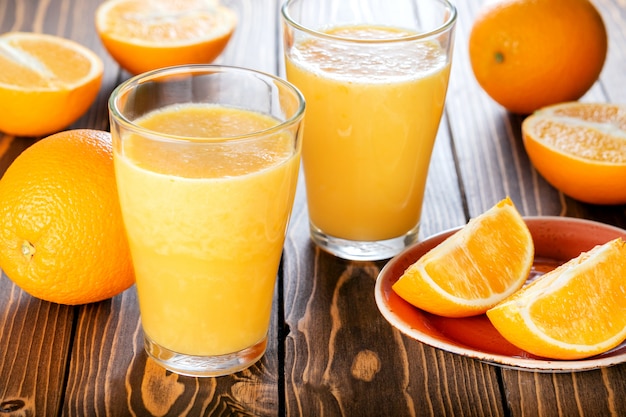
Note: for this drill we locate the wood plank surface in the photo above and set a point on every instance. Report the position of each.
(331, 353)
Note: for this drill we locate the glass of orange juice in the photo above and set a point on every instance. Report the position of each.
(206, 161)
(374, 74)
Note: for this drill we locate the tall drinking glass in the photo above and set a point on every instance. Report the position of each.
(206, 160)
(374, 74)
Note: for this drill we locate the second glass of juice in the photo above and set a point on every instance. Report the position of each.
(206, 161)
(374, 74)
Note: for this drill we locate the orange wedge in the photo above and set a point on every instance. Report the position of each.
(575, 311)
(46, 82)
(474, 269)
(143, 35)
(580, 149)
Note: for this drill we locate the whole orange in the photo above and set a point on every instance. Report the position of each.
(61, 228)
(528, 54)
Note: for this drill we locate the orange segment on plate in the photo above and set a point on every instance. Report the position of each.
(143, 35)
(580, 149)
(575, 311)
(46, 82)
(474, 269)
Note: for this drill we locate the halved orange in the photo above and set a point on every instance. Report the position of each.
(46, 82)
(143, 35)
(574, 311)
(474, 269)
(580, 149)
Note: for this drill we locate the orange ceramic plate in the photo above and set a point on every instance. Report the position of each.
(557, 239)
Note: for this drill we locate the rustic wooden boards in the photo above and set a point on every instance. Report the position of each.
(331, 352)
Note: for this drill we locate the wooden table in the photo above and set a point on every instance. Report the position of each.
(330, 352)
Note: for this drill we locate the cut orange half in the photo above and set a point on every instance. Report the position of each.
(474, 269)
(46, 82)
(580, 149)
(574, 311)
(143, 35)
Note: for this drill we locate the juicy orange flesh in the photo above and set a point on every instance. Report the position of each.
(605, 113)
(487, 254)
(474, 269)
(575, 311)
(580, 140)
(166, 22)
(590, 308)
(40, 63)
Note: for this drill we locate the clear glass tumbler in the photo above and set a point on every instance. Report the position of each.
(206, 161)
(374, 74)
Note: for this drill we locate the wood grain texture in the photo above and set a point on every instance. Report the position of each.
(330, 353)
(34, 351)
(568, 394)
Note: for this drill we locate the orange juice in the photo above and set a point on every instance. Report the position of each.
(206, 226)
(371, 124)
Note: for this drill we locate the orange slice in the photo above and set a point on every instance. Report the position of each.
(580, 149)
(575, 311)
(46, 82)
(143, 35)
(474, 269)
